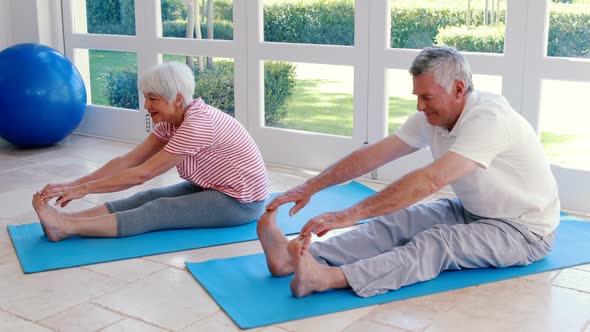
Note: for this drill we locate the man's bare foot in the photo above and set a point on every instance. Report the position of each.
(52, 221)
(311, 276)
(274, 244)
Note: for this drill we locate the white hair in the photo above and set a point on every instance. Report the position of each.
(447, 65)
(168, 79)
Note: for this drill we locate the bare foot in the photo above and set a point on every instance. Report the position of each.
(52, 222)
(311, 276)
(274, 244)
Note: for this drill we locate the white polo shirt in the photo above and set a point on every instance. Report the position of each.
(514, 181)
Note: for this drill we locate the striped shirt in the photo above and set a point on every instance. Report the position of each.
(221, 154)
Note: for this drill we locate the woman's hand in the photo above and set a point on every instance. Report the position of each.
(325, 222)
(65, 194)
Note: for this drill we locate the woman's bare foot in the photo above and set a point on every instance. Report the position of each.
(311, 276)
(274, 244)
(52, 221)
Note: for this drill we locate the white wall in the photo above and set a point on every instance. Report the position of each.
(5, 24)
(37, 21)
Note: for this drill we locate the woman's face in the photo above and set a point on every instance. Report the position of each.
(158, 108)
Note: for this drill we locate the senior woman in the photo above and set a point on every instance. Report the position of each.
(225, 179)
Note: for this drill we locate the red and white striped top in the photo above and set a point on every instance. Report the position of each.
(221, 154)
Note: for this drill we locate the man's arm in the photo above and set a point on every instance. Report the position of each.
(404, 192)
(358, 163)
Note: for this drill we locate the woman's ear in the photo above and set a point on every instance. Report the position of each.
(179, 100)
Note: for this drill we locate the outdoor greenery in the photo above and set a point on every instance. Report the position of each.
(293, 103)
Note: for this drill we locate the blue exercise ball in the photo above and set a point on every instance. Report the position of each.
(42, 95)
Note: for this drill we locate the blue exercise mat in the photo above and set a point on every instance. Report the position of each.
(247, 292)
(36, 253)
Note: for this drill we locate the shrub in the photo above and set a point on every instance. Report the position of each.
(279, 83)
(215, 85)
(568, 30)
(222, 30)
(320, 22)
(173, 10)
(480, 39)
(115, 17)
(121, 87)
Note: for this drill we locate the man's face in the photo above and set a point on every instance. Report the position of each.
(441, 108)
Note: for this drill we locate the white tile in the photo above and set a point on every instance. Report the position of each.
(417, 313)
(178, 259)
(368, 326)
(171, 298)
(39, 295)
(11, 323)
(83, 317)
(585, 267)
(545, 277)
(8, 162)
(62, 166)
(16, 205)
(127, 270)
(129, 324)
(516, 305)
(218, 322)
(6, 249)
(325, 323)
(574, 279)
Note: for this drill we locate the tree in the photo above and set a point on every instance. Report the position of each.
(193, 28)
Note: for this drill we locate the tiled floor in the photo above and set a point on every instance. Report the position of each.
(156, 293)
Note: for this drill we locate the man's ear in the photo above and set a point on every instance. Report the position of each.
(459, 89)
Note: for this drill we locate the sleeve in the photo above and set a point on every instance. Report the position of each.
(482, 136)
(193, 135)
(416, 131)
(162, 131)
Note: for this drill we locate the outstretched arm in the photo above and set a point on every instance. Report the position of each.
(408, 190)
(121, 180)
(148, 148)
(360, 162)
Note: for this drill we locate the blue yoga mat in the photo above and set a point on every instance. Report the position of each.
(247, 292)
(36, 253)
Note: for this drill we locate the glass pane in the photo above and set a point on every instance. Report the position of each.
(309, 21)
(402, 103)
(473, 26)
(214, 79)
(569, 28)
(309, 97)
(112, 17)
(180, 19)
(565, 115)
(113, 79)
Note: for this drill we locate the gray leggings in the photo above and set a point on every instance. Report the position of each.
(183, 205)
(418, 243)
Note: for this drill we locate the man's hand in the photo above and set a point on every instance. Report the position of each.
(325, 222)
(300, 195)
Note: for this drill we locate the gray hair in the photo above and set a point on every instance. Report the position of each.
(168, 79)
(447, 65)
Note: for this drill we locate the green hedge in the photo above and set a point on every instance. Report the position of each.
(488, 39)
(116, 17)
(312, 23)
(222, 30)
(569, 30)
(215, 85)
(121, 87)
